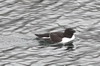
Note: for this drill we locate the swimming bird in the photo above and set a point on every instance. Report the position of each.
(59, 37)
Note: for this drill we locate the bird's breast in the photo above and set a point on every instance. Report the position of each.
(66, 40)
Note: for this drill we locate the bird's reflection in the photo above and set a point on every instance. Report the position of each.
(48, 43)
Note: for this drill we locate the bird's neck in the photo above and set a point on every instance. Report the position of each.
(68, 35)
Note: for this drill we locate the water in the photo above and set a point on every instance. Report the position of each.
(21, 19)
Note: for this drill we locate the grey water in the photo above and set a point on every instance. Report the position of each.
(21, 19)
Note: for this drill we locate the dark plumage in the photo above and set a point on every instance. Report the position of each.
(65, 38)
(62, 37)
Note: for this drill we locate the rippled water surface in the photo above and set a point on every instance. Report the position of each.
(21, 19)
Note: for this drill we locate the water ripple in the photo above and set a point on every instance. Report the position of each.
(21, 19)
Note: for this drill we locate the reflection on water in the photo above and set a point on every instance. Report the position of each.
(21, 19)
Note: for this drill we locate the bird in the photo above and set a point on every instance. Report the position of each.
(59, 37)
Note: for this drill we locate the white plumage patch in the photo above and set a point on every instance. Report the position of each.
(66, 40)
(45, 37)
